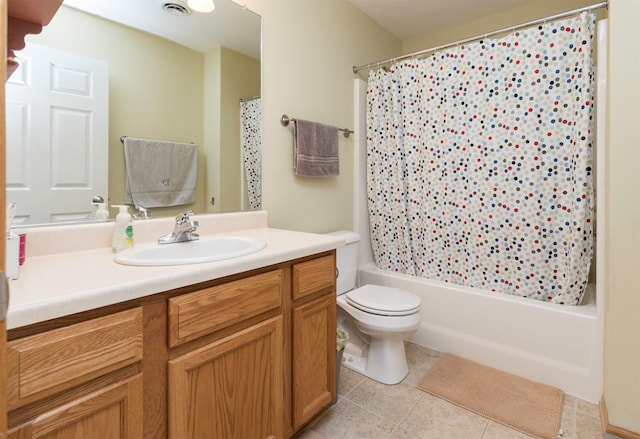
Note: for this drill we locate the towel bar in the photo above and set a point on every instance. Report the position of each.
(284, 121)
(124, 137)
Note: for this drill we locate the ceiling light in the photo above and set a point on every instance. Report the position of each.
(201, 5)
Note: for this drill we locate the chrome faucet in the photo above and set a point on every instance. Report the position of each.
(183, 230)
(143, 213)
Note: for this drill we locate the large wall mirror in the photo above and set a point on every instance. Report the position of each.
(185, 81)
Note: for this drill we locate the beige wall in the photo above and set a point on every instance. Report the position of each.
(241, 79)
(136, 74)
(309, 48)
(212, 99)
(229, 76)
(622, 245)
(530, 11)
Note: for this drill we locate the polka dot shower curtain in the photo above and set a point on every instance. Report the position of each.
(479, 163)
(251, 141)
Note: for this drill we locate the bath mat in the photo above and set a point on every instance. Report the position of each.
(529, 407)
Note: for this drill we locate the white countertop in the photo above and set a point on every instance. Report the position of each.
(85, 277)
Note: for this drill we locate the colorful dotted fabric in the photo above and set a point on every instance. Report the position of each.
(479, 165)
(251, 141)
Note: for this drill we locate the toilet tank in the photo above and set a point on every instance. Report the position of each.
(347, 261)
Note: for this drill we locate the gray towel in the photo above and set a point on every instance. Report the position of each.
(315, 150)
(159, 174)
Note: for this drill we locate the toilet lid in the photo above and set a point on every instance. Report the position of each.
(380, 300)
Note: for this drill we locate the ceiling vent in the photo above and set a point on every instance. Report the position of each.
(175, 8)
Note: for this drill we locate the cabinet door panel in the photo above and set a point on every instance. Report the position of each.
(230, 389)
(312, 276)
(314, 358)
(114, 412)
(43, 364)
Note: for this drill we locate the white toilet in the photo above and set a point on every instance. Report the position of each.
(378, 319)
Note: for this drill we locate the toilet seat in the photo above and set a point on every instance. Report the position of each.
(384, 301)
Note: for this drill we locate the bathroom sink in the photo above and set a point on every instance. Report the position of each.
(191, 252)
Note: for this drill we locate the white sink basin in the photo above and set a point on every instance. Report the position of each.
(191, 252)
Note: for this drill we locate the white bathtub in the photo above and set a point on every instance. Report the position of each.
(553, 344)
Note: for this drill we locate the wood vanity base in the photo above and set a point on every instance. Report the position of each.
(248, 355)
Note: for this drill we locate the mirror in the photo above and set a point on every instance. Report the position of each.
(159, 89)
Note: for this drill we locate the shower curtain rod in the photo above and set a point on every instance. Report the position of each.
(603, 4)
(249, 99)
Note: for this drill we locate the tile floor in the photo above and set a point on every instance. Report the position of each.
(369, 410)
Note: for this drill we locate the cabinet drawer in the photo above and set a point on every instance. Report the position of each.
(44, 364)
(312, 276)
(211, 309)
(114, 411)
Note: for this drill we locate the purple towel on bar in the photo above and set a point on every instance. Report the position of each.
(315, 149)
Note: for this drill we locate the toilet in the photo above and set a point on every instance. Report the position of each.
(377, 318)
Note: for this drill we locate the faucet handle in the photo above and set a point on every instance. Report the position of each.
(143, 213)
(183, 217)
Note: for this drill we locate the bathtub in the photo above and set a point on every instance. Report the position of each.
(557, 345)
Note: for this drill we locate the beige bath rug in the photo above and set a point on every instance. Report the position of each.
(532, 408)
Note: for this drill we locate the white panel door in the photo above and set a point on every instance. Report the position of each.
(57, 113)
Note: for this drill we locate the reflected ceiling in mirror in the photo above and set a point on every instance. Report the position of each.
(229, 24)
(166, 82)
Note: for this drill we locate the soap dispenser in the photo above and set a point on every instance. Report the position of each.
(123, 231)
(102, 213)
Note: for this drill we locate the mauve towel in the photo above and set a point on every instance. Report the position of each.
(315, 150)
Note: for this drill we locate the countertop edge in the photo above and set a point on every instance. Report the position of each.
(44, 291)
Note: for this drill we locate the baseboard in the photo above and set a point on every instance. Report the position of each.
(622, 433)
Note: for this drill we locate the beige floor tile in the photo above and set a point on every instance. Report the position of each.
(415, 349)
(419, 360)
(347, 420)
(434, 418)
(310, 434)
(401, 433)
(570, 402)
(348, 380)
(391, 402)
(367, 409)
(568, 422)
(588, 408)
(587, 426)
(499, 431)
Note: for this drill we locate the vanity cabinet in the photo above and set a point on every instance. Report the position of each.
(75, 379)
(248, 356)
(230, 387)
(313, 335)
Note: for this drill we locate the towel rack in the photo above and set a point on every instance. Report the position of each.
(284, 121)
(124, 137)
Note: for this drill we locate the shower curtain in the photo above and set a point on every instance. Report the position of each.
(251, 141)
(479, 163)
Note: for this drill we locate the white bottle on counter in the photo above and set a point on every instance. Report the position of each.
(102, 213)
(12, 256)
(123, 231)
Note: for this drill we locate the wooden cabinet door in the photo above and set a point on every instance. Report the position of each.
(231, 388)
(44, 364)
(114, 412)
(314, 358)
